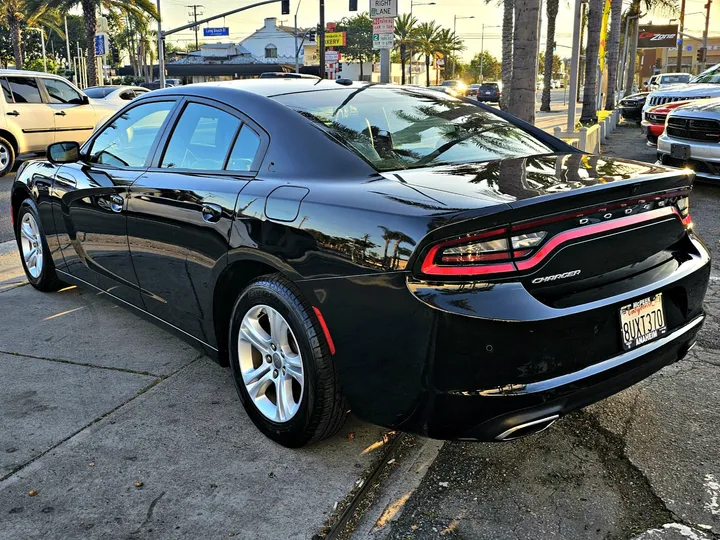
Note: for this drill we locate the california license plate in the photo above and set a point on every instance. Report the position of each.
(642, 321)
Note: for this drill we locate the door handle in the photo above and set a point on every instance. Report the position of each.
(116, 203)
(13, 113)
(61, 113)
(211, 212)
(66, 180)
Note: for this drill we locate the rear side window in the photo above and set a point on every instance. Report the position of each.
(244, 150)
(24, 89)
(201, 139)
(6, 90)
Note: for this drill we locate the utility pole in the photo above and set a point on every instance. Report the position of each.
(321, 41)
(680, 39)
(195, 16)
(42, 40)
(67, 45)
(297, 50)
(705, 35)
(161, 49)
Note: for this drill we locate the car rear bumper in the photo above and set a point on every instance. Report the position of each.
(472, 361)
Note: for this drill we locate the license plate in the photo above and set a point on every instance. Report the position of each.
(642, 321)
(680, 151)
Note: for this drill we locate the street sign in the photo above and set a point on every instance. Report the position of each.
(383, 8)
(332, 56)
(219, 31)
(383, 41)
(383, 25)
(101, 44)
(335, 39)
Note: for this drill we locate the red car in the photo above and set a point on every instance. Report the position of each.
(653, 124)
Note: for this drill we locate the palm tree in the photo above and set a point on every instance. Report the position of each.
(525, 52)
(589, 109)
(427, 40)
(32, 12)
(507, 52)
(552, 11)
(137, 9)
(404, 33)
(449, 45)
(613, 52)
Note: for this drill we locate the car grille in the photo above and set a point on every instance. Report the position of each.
(694, 129)
(656, 118)
(661, 100)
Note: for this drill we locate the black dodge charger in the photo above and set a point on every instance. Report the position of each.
(430, 263)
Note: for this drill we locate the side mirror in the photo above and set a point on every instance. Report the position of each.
(63, 152)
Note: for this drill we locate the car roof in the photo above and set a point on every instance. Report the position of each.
(28, 73)
(264, 87)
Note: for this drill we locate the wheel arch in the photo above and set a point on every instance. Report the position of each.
(5, 134)
(20, 192)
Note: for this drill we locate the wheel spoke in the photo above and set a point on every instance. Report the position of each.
(257, 373)
(29, 255)
(27, 231)
(251, 334)
(278, 328)
(285, 403)
(296, 373)
(258, 388)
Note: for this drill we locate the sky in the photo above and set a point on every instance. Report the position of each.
(470, 30)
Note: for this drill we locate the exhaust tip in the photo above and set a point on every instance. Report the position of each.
(527, 428)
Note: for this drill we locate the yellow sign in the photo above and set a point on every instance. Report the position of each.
(603, 35)
(335, 39)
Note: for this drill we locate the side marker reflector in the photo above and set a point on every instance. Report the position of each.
(324, 327)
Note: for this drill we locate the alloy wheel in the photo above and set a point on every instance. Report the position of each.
(4, 157)
(31, 242)
(270, 363)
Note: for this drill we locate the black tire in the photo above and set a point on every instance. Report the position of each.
(47, 280)
(322, 408)
(7, 151)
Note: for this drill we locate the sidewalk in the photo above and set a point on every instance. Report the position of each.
(558, 117)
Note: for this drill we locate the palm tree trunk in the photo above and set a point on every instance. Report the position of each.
(427, 70)
(552, 11)
(88, 7)
(507, 52)
(632, 49)
(613, 52)
(402, 62)
(16, 38)
(525, 53)
(589, 110)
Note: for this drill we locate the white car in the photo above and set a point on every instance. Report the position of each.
(38, 109)
(704, 86)
(664, 80)
(117, 96)
(692, 138)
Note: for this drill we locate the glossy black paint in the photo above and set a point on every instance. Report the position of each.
(412, 352)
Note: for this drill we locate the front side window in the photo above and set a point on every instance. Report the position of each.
(61, 92)
(24, 89)
(201, 139)
(401, 128)
(99, 92)
(270, 51)
(127, 95)
(127, 140)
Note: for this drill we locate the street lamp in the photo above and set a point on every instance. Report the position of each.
(482, 48)
(42, 41)
(455, 20)
(413, 3)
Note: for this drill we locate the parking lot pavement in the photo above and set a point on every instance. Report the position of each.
(5, 227)
(112, 428)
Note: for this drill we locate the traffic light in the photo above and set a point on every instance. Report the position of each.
(115, 54)
(554, 45)
(353, 5)
(285, 7)
(701, 54)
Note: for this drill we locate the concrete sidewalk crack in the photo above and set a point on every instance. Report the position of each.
(82, 364)
(149, 514)
(140, 392)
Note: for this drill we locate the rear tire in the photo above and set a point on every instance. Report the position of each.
(7, 156)
(282, 366)
(34, 252)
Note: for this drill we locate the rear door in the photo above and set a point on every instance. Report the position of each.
(27, 116)
(180, 211)
(90, 198)
(74, 117)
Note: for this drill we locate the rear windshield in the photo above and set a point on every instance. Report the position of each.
(99, 92)
(402, 128)
(675, 79)
(489, 86)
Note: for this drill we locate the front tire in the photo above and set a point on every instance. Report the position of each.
(282, 366)
(34, 252)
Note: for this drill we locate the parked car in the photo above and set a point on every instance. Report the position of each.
(459, 87)
(444, 89)
(284, 75)
(38, 109)
(155, 85)
(631, 106)
(472, 90)
(663, 80)
(117, 96)
(489, 91)
(432, 265)
(704, 86)
(692, 138)
(653, 125)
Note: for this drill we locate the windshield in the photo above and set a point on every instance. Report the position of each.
(711, 76)
(675, 79)
(400, 128)
(99, 92)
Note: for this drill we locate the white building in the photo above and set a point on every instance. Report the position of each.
(273, 44)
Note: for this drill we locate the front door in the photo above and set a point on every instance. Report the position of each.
(74, 118)
(26, 114)
(91, 199)
(180, 213)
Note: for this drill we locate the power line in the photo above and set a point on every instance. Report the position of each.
(195, 16)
